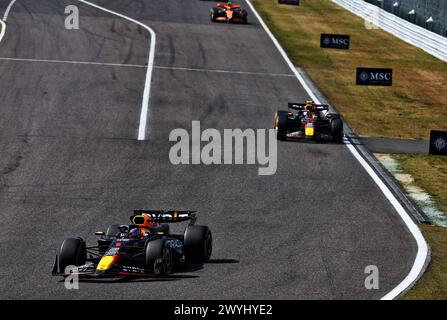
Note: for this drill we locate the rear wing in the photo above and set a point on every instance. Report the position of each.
(301, 106)
(224, 5)
(167, 216)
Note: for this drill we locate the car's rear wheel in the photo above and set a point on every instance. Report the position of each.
(213, 15)
(244, 16)
(197, 244)
(158, 258)
(337, 130)
(333, 116)
(280, 124)
(72, 253)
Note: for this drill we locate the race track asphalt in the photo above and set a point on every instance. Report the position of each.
(70, 163)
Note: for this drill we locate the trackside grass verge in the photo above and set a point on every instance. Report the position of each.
(429, 173)
(424, 178)
(409, 109)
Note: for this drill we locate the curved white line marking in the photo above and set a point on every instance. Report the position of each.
(422, 253)
(8, 9)
(3, 31)
(5, 17)
(422, 245)
(150, 67)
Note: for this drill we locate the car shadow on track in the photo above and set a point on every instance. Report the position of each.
(198, 266)
(172, 277)
(177, 275)
(223, 261)
(309, 141)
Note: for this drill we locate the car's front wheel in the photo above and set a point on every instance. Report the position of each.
(280, 123)
(158, 258)
(72, 253)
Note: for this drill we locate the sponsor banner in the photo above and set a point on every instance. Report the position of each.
(438, 143)
(374, 77)
(335, 41)
(295, 2)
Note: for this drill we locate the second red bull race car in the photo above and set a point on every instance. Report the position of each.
(228, 12)
(145, 247)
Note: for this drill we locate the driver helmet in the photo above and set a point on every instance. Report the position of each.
(123, 228)
(135, 233)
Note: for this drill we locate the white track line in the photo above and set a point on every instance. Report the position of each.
(75, 62)
(227, 71)
(3, 31)
(422, 253)
(8, 9)
(5, 17)
(150, 67)
(109, 64)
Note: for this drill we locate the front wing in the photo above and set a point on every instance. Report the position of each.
(88, 270)
(299, 135)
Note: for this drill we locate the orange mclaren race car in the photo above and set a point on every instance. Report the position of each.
(228, 12)
(145, 247)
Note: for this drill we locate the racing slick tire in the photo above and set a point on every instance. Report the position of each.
(72, 253)
(158, 258)
(244, 15)
(197, 244)
(280, 124)
(240, 16)
(213, 14)
(337, 130)
(333, 116)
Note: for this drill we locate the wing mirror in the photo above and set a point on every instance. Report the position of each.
(99, 233)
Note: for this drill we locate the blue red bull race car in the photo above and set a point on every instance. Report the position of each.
(308, 121)
(145, 247)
